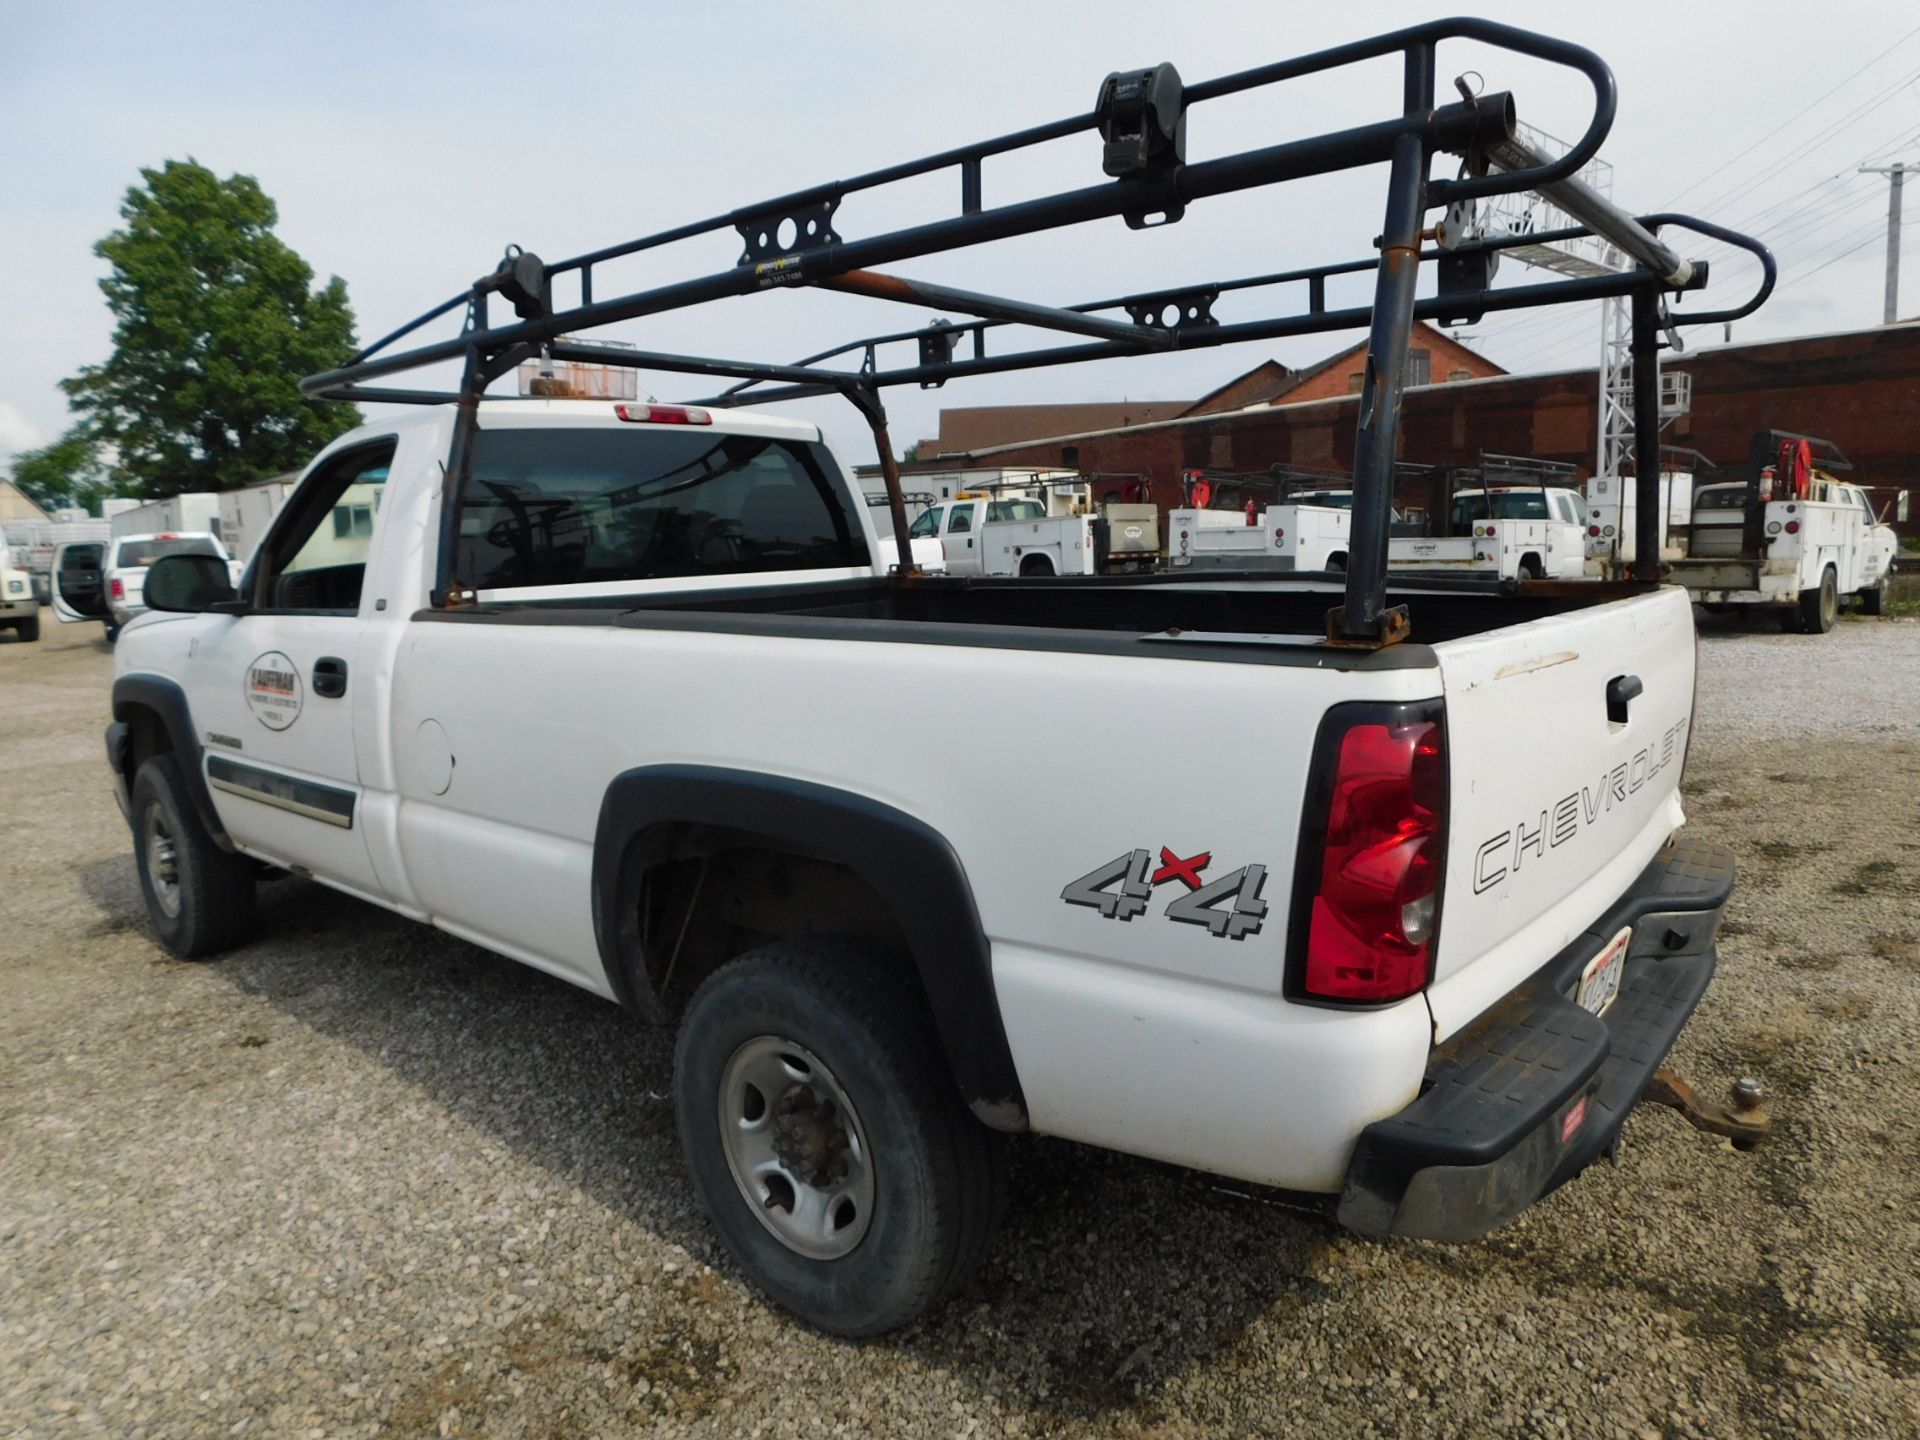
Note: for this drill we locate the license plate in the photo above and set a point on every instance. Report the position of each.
(1600, 981)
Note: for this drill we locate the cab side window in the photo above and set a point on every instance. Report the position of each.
(316, 557)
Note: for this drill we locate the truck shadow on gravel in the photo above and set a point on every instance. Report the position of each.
(1110, 1276)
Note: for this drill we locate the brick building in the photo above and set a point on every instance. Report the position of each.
(972, 430)
(1860, 389)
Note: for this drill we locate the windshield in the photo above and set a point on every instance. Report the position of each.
(600, 506)
(1332, 499)
(1720, 497)
(133, 553)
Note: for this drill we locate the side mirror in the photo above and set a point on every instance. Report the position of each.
(189, 584)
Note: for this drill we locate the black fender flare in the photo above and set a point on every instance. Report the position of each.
(908, 863)
(168, 702)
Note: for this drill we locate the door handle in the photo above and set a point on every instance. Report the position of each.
(330, 677)
(1622, 691)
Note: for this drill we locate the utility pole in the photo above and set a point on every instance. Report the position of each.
(1896, 175)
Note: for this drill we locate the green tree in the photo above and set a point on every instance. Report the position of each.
(69, 471)
(216, 320)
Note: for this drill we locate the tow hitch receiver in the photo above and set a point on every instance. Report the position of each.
(1745, 1122)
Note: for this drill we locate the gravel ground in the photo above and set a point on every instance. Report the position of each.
(360, 1178)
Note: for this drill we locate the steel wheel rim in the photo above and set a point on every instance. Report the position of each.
(796, 1148)
(1829, 600)
(163, 861)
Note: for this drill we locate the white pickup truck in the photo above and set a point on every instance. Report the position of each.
(107, 582)
(1007, 536)
(617, 691)
(1421, 961)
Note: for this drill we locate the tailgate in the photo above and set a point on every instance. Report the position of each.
(1555, 806)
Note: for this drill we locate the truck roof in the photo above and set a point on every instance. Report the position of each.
(532, 413)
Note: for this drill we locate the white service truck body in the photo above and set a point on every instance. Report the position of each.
(1612, 526)
(1282, 537)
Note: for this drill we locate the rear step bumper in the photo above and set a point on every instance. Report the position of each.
(1537, 1089)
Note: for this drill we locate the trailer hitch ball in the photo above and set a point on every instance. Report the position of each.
(1745, 1122)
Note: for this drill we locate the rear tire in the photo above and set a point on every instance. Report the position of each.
(29, 629)
(1036, 565)
(199, 897)
(1530, 568)
(1820, 607)
(871, 1120)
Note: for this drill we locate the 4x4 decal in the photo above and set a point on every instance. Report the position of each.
(1229, 907)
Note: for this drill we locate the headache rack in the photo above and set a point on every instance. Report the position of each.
(1140, 117)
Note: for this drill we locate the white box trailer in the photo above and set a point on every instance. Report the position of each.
(246, 514)
(195, 512)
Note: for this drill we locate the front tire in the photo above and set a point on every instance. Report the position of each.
(199, 897)
(826, 1139)
(1874, 601)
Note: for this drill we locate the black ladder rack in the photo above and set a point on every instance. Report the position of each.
(1141, 118)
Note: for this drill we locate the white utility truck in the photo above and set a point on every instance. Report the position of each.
(1006, 535)
(1282, 536)
(1515, 532)
(19, 606)
(616, 690)
(1790, 538)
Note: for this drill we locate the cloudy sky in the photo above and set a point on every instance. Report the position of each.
(407, 144)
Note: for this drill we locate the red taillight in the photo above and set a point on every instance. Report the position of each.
(1375, 896)
(663, 414)
(117, 589)
(1593, 530)
(1793, 527)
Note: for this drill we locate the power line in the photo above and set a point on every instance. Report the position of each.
(1819, 100)
(1806, 147)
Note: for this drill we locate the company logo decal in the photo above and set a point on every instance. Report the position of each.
(1230, 907)
(273, 690)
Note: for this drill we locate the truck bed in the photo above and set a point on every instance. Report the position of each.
(1249, 615)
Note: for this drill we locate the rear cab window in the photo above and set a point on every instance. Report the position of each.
(132, 554)
(597, 506)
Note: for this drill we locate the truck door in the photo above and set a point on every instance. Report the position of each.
(1566, 537)
(962, 540)
(78, 581)
(271, 688)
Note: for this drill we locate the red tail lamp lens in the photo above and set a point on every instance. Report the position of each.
(1373, 918)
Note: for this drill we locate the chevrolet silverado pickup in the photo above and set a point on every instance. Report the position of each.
(617, 690)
